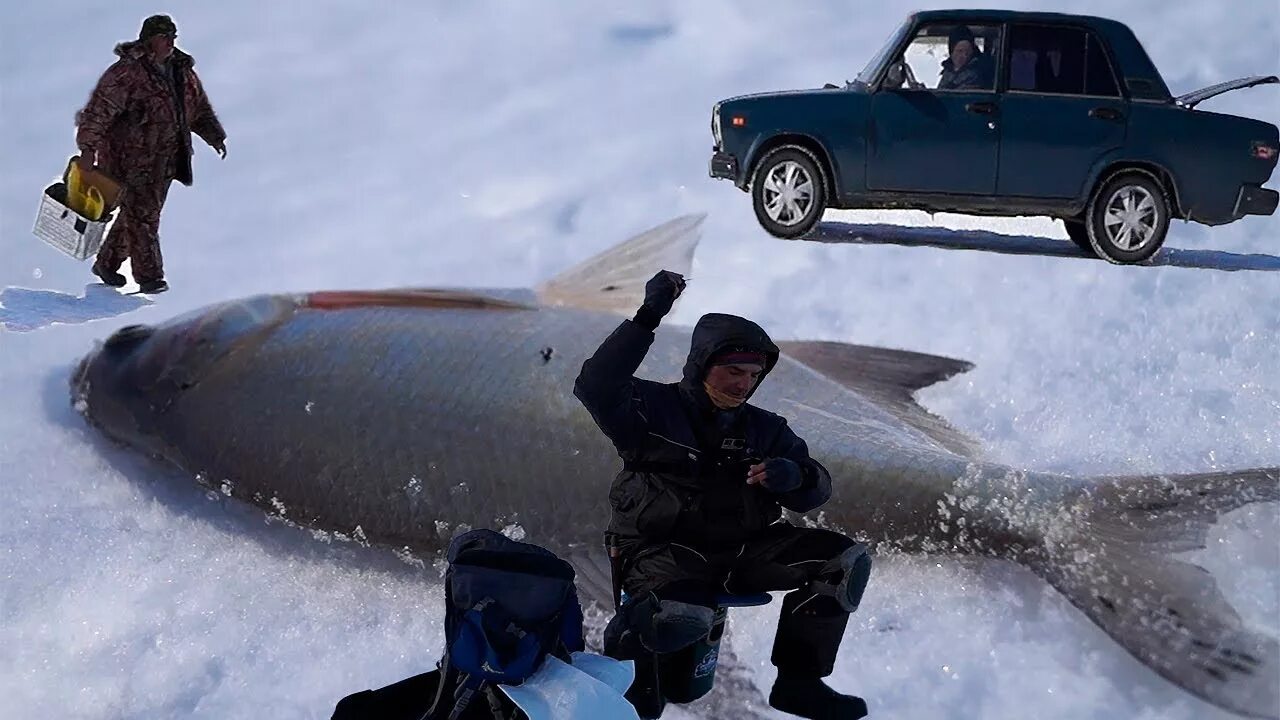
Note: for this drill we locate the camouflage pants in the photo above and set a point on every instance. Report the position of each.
(136, 232)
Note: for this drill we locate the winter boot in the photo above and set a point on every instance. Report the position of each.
(808, 697)
(804, 651)
(152, 287)
(114, 279)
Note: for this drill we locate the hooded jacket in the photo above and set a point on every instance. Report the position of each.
(140, 116)
(685, 461)
(977, 74)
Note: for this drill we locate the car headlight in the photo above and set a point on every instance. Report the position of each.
(715, 124)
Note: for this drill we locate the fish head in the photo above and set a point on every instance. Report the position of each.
(127, 383)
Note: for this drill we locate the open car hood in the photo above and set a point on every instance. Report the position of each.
(1195, 97)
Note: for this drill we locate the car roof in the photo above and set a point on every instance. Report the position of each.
(1009, 16)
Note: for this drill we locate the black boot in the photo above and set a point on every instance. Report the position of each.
(804, 651)
(809, 697)
(152, 287)
(114, 279)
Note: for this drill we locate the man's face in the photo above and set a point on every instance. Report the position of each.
(162, 45)
(961, 54)
(735, 381)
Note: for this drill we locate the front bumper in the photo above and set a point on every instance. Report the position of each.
(724, 166)
(1256, 200)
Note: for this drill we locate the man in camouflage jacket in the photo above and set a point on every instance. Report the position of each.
(137, 126)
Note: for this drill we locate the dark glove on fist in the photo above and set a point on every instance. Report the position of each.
(660, 294)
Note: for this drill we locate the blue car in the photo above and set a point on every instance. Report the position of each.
(1003, 113)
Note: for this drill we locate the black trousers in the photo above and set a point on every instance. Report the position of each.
(781, 557)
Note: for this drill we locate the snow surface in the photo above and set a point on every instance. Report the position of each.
(493, 143)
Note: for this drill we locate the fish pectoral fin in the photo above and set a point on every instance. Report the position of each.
(614, 279)
(1167, 612)
(889, 378)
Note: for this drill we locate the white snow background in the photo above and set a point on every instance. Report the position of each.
(494, 143)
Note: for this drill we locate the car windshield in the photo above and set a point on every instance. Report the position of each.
(898, 36)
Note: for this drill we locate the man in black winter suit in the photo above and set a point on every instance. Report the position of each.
(697, 506)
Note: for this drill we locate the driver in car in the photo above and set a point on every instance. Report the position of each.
(967, 67)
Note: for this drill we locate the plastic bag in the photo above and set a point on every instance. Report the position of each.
(592, 687)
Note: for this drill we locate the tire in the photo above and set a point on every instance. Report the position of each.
(1079, 234)
(1128, 218)
(788, 191)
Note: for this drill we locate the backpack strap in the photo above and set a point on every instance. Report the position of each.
(463, 693)
(495, 703)
(433, 712)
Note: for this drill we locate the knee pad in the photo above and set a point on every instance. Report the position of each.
(848, 573)
(665, 626)
(677, 625)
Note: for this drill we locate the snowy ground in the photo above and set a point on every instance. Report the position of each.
(493, 143)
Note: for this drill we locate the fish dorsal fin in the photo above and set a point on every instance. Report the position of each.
(408, 297)
(890, 378)
(614, 280)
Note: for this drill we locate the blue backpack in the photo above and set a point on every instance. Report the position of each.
(508, 605)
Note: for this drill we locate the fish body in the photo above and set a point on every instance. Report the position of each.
(403, 417)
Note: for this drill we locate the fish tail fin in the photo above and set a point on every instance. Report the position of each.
(613, 280)
(1118, 566)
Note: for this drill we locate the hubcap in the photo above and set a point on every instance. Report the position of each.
(1131, 218)
(788, 193)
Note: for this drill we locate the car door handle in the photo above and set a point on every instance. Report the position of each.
(981, 108)
(1105, 113)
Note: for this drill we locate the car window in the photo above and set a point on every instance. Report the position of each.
(950, 57)
(1058, 60)
(1099, 78)
(875, 62)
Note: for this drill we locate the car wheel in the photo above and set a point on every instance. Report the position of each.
(1079, 234)
(788, 192)
(1127, 218)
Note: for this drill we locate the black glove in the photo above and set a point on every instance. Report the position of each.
(660, 294)
(782, 475)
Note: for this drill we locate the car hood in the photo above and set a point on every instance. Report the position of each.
(855, 88)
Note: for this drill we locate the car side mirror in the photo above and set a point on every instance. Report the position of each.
(895, 76)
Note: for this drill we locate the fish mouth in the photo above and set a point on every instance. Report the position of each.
(80, 382)
(81, 377)
(100, 383)
(128, 383)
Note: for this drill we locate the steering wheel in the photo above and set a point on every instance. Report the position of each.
(911, 78)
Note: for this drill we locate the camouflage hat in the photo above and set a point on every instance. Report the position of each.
(157, 25)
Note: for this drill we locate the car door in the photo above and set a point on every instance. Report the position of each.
(1062, 111)
(940, 135)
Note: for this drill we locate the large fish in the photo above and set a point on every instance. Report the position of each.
(397, 417)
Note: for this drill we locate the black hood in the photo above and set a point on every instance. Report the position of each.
(137, 49)
(715, 332)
